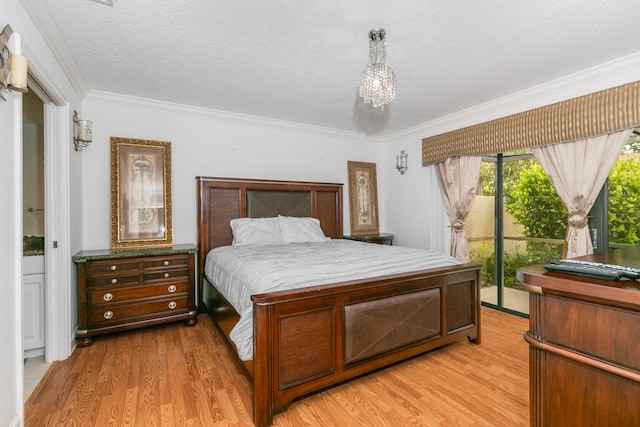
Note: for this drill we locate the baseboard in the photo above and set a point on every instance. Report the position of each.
(34, 353)
(17, 422)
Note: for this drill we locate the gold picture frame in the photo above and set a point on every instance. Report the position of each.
(363, 198)
(141, 215)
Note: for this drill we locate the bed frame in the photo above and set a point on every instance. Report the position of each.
(309, 339)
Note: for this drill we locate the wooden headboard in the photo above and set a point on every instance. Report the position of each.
(222, 199)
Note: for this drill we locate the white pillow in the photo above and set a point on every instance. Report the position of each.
(255, 231)
(301, 230)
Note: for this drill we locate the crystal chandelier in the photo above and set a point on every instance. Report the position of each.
(377, 82)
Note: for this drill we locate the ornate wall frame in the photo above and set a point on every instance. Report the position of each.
(363, 198)
(141, 215)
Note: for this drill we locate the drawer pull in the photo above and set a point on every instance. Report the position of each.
(108, 296)
(172, 288)
(114, 281)
(166, 275)
(166, 263)
(172, 305)
(114, 267)
(108, 314)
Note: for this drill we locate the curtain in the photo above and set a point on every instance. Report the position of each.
(578, 171)
(458, 180)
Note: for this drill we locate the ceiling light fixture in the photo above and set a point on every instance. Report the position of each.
(377, 82)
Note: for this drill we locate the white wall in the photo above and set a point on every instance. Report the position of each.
(413, 208)
(43, 64)
(208, 143)
(11, 261)
(11, 412)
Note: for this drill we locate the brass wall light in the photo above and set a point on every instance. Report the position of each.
(401, 162)
(13, 68)
(82, 136)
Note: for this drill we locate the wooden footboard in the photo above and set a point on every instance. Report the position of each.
(310, 339)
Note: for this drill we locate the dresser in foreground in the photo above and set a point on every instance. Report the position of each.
(584, 341)
(126, 289)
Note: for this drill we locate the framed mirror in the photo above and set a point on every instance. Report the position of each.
(140, 193)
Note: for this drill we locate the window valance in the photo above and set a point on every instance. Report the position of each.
(590, 115)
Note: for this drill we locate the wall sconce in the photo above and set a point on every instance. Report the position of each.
(401, 162)
(13, 68)
(81, 132)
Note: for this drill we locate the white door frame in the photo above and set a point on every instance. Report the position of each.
(59, 340)
(58, 336)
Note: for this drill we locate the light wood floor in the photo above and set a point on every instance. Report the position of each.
(172, 375)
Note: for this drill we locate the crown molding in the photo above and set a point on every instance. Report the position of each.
(39, 13)
(190, 110)
(604, 76)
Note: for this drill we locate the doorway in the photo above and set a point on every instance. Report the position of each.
(33, 251)
(33, 216)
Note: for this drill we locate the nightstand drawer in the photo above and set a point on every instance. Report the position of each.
(171, 275)
(118, 313)
(95, 268)
(168, 262)
(125, 294)
(113, 280)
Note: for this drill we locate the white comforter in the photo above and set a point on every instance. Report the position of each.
(241, 271)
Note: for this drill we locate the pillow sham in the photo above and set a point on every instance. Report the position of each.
(301, 230)
(256, 231)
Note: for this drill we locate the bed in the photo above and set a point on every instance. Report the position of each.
(308, 339)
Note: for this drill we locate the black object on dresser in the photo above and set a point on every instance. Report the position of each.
(381, 239)
(127, 289)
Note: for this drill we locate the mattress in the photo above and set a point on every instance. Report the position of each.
(241, 271)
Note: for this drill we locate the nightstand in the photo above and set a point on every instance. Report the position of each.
(126, 289)
(380, 239)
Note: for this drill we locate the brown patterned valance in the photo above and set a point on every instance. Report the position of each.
(578, 118)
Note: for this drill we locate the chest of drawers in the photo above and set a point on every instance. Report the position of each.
(121, 290)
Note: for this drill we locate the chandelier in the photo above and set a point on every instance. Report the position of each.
(377, 82)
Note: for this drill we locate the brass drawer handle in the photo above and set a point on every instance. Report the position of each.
(172, 288)
(114, 281)
(114, 267)
(108, 296)
(108, 314)
(172, 305)
(166, 263)
(166, 275)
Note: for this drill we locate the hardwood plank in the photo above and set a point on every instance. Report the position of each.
(172, 375)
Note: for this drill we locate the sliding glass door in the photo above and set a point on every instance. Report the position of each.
(510, 226)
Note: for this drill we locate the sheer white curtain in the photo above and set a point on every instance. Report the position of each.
(458, 180)
(578, 171)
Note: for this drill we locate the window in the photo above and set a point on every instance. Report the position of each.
(615, 217)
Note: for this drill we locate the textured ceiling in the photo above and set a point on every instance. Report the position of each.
(300, 61)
